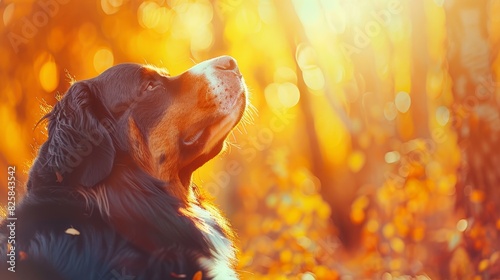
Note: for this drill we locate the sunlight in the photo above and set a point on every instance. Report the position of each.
(374, 129)
(309, 12)
(402, 101)
(8, 13)
(110, 7)
(149, 14)
(288, 94)
(103, 59)
(49, 78)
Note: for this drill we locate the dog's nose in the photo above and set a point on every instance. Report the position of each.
(227, 63)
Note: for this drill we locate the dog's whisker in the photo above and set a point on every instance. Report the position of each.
(232, 134)
(238, 129)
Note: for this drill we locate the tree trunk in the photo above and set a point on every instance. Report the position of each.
(419, 112)
(475, 118)
(349, 232)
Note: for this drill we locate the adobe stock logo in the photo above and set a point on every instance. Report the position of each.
(249, 150)
(362, 37)
(31, 25)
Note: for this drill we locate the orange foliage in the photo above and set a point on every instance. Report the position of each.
(334, 154)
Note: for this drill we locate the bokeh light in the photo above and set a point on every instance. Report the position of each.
(358, 157)
(103, 59)
(402, 101)
(8, 13)
(49, 76)
(442, 115)
(288, 94)
(110, 7)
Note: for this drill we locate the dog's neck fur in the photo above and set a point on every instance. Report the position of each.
(131, 200)
(201, 226)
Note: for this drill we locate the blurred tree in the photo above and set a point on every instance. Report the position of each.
(356, 144)
(338, 194)
(475, 117)
(420, 57)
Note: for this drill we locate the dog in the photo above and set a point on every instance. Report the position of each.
(110, 196)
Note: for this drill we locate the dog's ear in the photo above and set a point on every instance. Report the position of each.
(80, 146)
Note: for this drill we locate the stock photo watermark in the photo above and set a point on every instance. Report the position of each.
(484, 93)
(30, 25)
(11, 218)
(418, 152)
(363, 36)
(249, 150)
(83, 148)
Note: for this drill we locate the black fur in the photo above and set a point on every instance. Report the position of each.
(145, 235)
(123, 223)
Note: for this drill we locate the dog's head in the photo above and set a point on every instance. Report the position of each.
(168, 125)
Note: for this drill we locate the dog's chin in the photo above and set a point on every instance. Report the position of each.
(206, 142)
(187, 170)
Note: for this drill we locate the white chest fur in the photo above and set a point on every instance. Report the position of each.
(219, 266)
